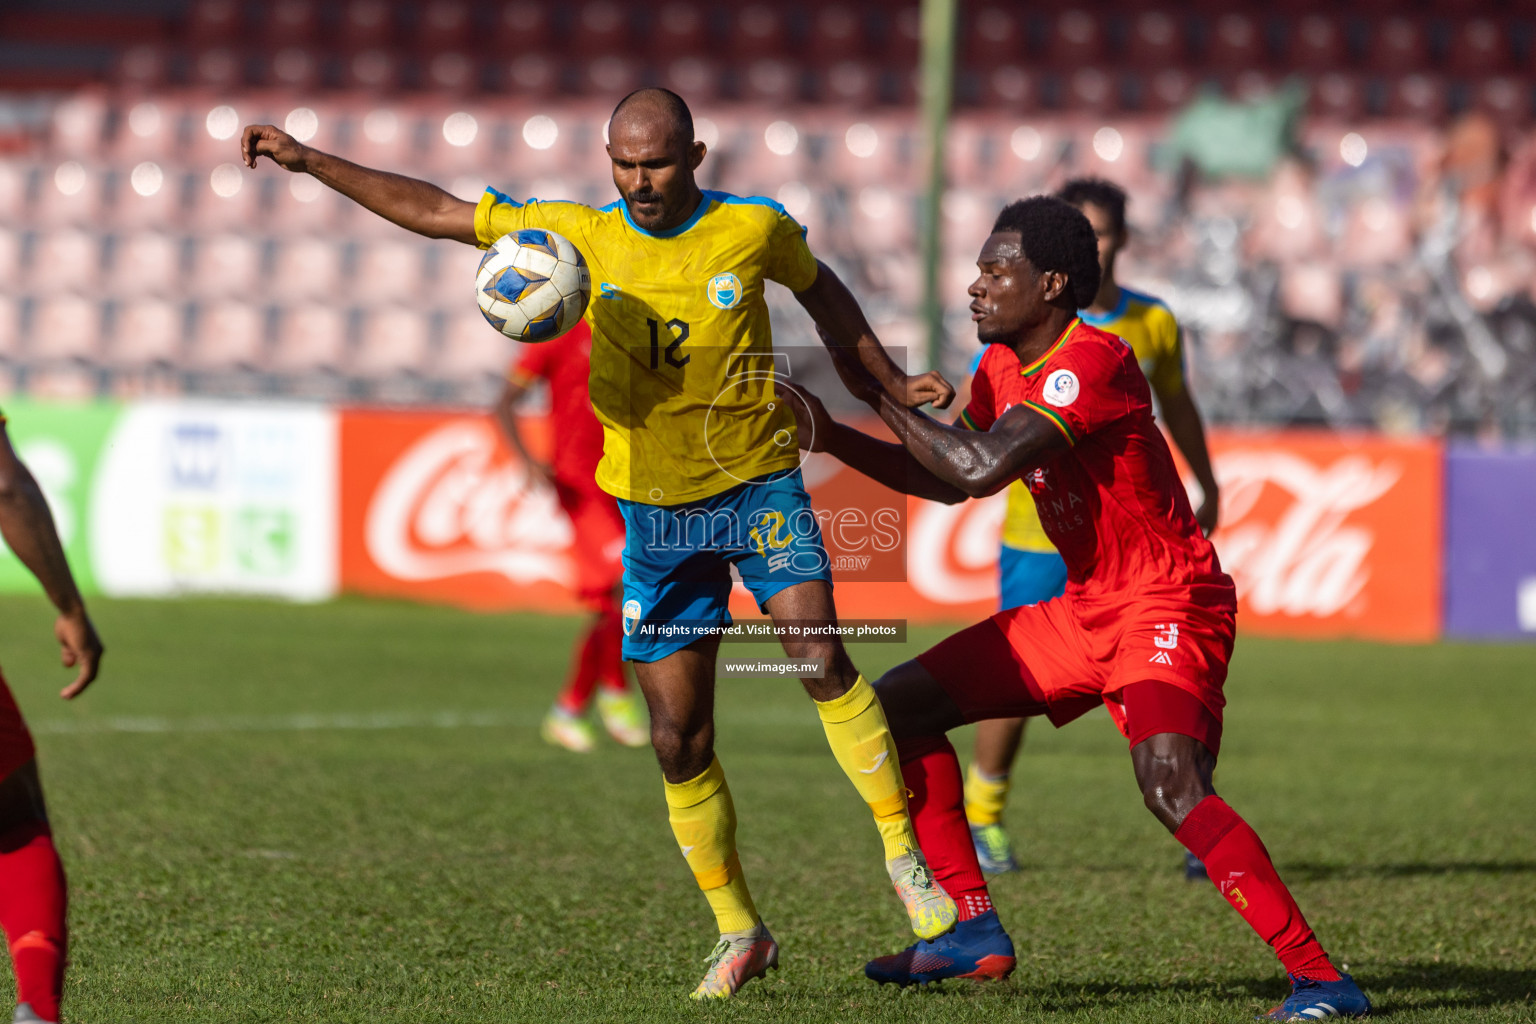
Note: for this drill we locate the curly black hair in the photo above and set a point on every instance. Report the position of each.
(1056, 237)
(1106, 195)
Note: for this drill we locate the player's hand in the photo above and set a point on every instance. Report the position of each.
(80, 648)
(928, 387)
(270, 141)
(1206, 514)
(812, 421)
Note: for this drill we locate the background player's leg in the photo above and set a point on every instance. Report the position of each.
(861, 741)
(1174, 772)
(616, 705)
(986, 790)
(32, 893)
(565, 725)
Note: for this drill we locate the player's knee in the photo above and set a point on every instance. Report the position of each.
(683, 751)
(1171, 786)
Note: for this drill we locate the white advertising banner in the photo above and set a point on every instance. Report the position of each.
(221, 497)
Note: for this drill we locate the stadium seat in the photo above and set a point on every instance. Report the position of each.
(65, 327)
(770, 80)
(306, 268)
(846, 83)
(1154, 41)
(65, 259)
(756, 31)
(383, 135)
(225, 265)
(609, 75)
(522, 27)
(1316, 43)
(1478, 47)
(901, 33)
(698, 78)
(531, 75)
(1236, 43)
(227, 335)
(289, 22)
(148, 129)
(146, 332)
(68, 193)
(145, 263)
(679, 29)
(309, 338)
(295, 68)
(393, 340)
(366, 24)
(770, 151)
(1090, 90)
(472, 351)
(1075, 36)
(1337, 95)
(77, 127)
(219, 68)
(601, 27)
(10, 258)
(837, 33)
(1417, 96)
(1507, 99)
(995, 35)
(10, 332)
(145, 66)
(1396, 45)
(1010, 87)
(443, 26)
(227, 198)
(394, 271)
(873, 150)
(449, 72)
(1168, 89)
(374, 70)
(213, 22)
(158, 205)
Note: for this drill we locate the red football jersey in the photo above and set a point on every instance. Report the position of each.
(1112, 503)
(577, 441)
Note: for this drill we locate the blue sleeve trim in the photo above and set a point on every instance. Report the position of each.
(502, 197)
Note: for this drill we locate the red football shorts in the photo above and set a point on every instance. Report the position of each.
(599, 548)
(1157, 663)
(16, 747)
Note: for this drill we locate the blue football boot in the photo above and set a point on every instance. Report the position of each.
(994, 852)
(978, 948)
(1315, 1000)
(1194, 868)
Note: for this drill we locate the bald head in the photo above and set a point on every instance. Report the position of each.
(657, 112)
(651, 144)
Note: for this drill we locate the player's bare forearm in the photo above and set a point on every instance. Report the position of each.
(506, 418)
(1188, 432)
(888, 464)
(845, 330)
(976, 462)
(413, 204)
(27, 525)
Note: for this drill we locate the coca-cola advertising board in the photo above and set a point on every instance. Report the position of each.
(1331, 535)
(435, 507)
(1325, 535)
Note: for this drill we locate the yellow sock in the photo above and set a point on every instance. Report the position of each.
(861, 741)
(704, 822)
(985, 797)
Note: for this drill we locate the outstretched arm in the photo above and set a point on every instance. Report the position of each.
(842, 325)
(1183, 420)
(506, 418)
(883, 462)
(977, 463)
(27, 526)
(417, 206)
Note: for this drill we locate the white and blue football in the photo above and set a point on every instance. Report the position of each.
(533, 285)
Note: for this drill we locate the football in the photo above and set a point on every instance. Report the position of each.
(533, 285)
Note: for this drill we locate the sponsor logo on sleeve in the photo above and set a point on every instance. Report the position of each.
(1060, 388)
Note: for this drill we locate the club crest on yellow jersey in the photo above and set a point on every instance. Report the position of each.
(724, 290)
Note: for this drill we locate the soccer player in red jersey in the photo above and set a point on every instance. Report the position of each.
(1145, 627)
(32, 887)
(597, 663)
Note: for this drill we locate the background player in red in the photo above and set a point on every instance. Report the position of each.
(1145, 627)
(576, 447)
(32, 887)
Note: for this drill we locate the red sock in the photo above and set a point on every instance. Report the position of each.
(32, 899)
(586, 662)
(1242, 871)
(937, 804)
(610, 657)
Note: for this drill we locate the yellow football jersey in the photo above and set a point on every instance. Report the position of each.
(1149, 327)
(682, 354)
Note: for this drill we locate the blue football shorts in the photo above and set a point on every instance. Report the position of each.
(1029, 577)
(678, 559)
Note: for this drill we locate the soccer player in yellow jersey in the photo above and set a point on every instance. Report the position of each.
(1029, 569)
(704, 460)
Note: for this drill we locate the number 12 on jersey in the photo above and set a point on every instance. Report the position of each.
(670, 352)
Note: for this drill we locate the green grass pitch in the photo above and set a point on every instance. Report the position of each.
(343, 813)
